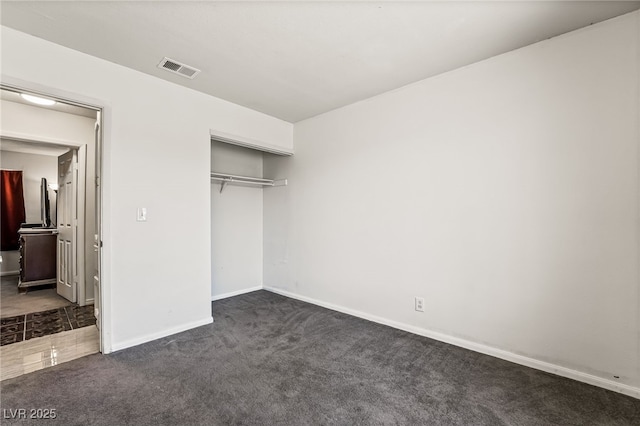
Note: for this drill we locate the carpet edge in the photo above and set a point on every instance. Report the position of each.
(558, 370)
(160, 334)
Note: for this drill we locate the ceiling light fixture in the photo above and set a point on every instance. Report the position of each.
(37, 100)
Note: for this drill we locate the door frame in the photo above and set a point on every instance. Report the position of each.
(103, 155)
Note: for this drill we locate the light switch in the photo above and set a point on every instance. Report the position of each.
(142, 214)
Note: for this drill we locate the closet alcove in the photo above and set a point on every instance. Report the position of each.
(238, 185)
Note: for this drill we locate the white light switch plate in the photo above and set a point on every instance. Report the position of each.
(142, 214)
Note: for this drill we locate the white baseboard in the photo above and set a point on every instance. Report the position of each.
(235, 293)
(477, 347)
(164, 333)
(8, 273)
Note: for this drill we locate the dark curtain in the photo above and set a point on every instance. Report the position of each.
(11, 208)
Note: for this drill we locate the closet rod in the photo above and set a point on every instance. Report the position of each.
(226, 178)
(249, 182)
(243, 179)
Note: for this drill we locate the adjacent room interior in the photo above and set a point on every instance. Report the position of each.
(341, 213)
(46, 279)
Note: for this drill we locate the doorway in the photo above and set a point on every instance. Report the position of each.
(77, 284)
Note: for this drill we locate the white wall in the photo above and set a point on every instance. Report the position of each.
(28, 122)
(236, 223)
(49, 127)
(157, 275)
(34, 167)
(505, 193)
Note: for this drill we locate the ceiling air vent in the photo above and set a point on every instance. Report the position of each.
(178, 68)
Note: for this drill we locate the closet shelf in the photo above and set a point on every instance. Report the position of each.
(225, 178)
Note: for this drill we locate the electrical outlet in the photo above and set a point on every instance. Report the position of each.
(420, 304)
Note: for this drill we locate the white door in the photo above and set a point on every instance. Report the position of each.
(70, 217)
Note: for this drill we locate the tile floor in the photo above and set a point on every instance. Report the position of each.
(35, 299)
(31, 355)
(39, 329)
(37, 324)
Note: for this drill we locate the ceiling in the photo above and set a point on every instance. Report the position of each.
(13, 96)
(295, 60)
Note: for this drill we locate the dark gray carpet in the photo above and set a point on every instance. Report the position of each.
(272, 360)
